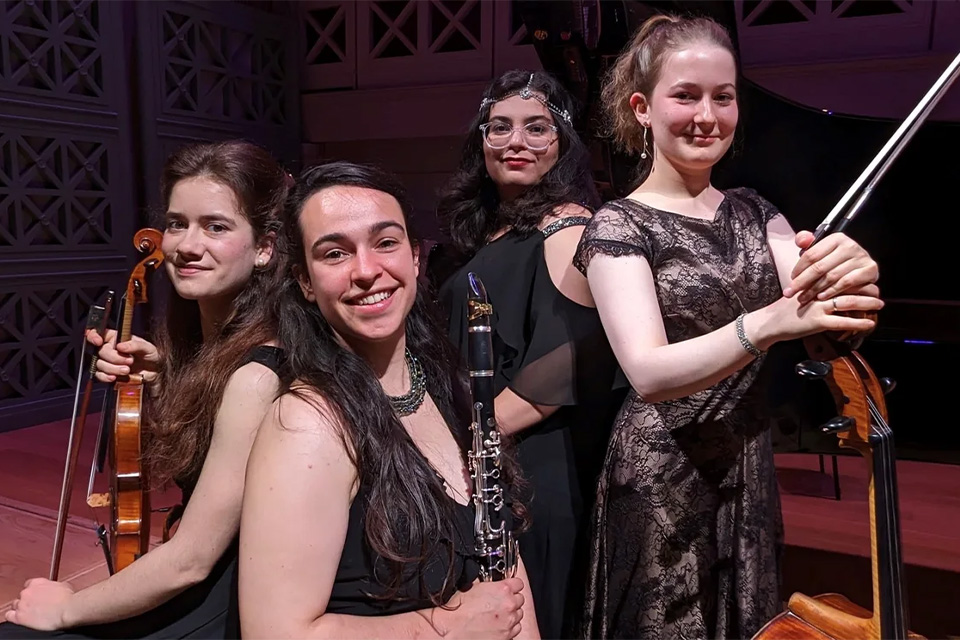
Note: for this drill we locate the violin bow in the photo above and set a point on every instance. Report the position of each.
(879, 165)
(98, 461)
(96, 319)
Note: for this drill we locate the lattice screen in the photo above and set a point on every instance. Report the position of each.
(56, 192)
(801, 31)
(66, 207)
(70, 153)
(53, 48)
(389, 43)
(218, 71)
(429, 41)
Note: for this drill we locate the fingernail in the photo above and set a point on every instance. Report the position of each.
(788, 292)
(125, 369)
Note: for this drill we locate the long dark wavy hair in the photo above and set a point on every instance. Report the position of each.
(407, 511)
(194, 371)
(470, 208)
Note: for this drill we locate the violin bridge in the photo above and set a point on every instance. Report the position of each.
(99, 500)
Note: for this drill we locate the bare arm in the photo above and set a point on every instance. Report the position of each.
(624, 290)
(300, 483)
(209, 524)
(210, 520)
(301, 477)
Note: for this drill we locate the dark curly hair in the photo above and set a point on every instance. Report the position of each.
(470, 207)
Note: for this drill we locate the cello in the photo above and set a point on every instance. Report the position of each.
(127, 497)
(862, 425)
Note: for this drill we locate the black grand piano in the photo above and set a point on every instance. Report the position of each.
(804, 160)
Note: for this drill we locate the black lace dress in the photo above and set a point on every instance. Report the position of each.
(550, 351)
(687, 526)
(206, 610)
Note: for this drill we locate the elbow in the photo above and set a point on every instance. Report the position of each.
(193, 567)
(263, 624)
(648, 389)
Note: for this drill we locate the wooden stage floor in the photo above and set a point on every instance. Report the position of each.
(827, 540)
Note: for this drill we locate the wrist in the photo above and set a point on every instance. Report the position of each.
(69, 615)
(757, 329)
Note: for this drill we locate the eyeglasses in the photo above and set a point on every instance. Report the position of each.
(537, 136)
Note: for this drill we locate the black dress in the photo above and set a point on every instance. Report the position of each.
(550, 351)
(359, 586)
(688, 527)
(206, 610)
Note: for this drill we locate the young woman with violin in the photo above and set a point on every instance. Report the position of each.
(693, 285)
(211, 378)
(358, 517)
(515, 210)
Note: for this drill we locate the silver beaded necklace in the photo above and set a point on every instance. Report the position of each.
(410, 401)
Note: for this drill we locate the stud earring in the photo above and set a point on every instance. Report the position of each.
(260, 262)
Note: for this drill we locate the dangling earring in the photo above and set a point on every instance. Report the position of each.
(643, 155)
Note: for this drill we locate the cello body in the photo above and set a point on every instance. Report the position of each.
(828, 616)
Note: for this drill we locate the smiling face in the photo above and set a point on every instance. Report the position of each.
(692, 112)
(208, 245)
(516, 166)
(361, 267)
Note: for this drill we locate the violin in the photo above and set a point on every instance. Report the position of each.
(128, 535)
(862, 425)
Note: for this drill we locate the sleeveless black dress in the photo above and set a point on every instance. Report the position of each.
(206, 610)
(359, 586)
(550, 351)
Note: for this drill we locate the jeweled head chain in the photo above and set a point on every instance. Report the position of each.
(527, 93)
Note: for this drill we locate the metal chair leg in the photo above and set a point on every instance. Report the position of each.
(836, 478)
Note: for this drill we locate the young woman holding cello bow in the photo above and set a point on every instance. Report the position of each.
(357, 516)
(211, 377)
(693, 285)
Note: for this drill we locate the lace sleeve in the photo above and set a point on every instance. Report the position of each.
(613, 232)
(763, 207)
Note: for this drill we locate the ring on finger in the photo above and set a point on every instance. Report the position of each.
(834, 300)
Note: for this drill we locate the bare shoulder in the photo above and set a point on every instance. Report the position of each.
(253, 379)
(303, 413)
(303, 428)
(565, 210)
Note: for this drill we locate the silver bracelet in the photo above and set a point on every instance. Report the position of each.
(744, 340)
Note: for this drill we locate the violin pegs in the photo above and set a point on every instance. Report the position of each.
(888, 385)
(814, 369)
(840, 423)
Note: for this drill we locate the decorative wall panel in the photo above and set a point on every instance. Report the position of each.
(79, 173)
(329, 45)
(55, 192)
(67, 208)
(406, 42)
(223, 70)
(805, 31)
(53, 48)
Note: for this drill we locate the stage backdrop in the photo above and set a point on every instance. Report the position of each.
(93, 95)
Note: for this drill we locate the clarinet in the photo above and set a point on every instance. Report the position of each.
(495, 544)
